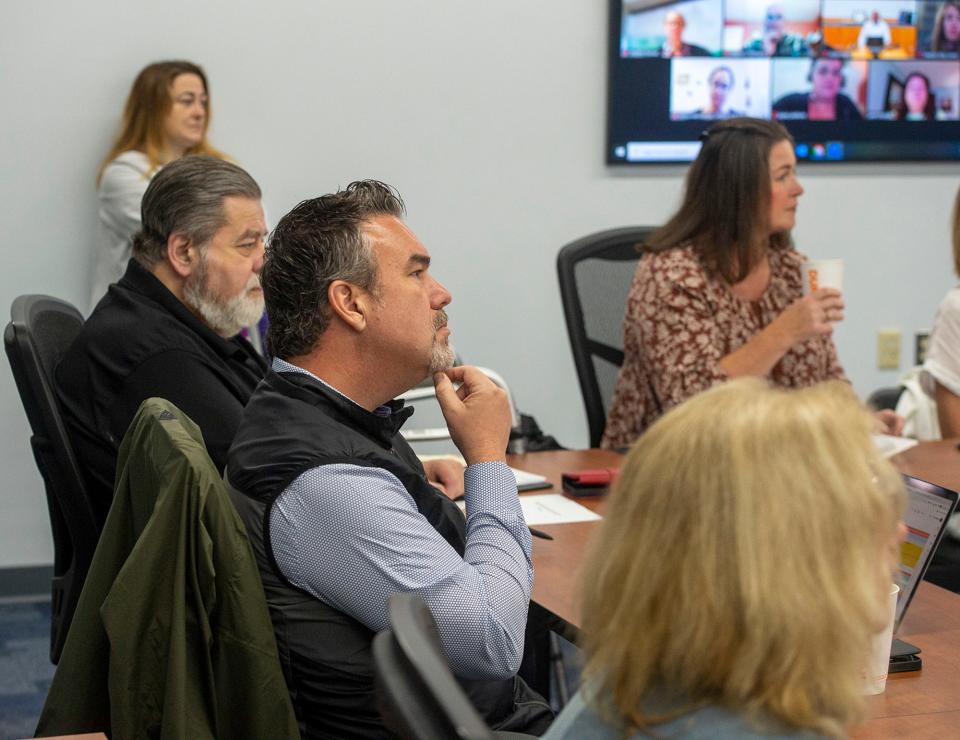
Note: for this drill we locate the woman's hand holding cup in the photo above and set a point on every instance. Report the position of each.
(812, 315)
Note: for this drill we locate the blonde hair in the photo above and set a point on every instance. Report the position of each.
(146, 109)
(740, 560)
(956, 234)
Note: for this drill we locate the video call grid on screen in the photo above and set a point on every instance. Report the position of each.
(851, 80)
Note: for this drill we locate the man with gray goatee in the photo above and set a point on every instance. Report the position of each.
(340, 512)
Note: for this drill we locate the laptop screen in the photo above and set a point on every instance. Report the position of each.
(928, 508)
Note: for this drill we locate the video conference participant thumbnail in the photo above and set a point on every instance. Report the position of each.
(821, 89)
(874, 33)
(943, 20)
(913, 91)
(772, 29)
(875, 28)
(684, 29)
(712, 89)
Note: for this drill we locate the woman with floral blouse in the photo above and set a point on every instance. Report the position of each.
(718, 293)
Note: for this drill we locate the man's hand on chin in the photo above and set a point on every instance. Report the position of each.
(445, 475)
(477, 413)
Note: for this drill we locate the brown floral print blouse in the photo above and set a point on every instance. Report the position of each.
(680, 323)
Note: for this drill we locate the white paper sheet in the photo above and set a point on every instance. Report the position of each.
(552, 508)
(890, 446)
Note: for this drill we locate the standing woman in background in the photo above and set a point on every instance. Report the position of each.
(166, 116)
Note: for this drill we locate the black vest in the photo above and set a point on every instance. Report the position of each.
(292, 424)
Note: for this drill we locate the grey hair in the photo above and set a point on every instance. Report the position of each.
(186, 197)
(318, 242)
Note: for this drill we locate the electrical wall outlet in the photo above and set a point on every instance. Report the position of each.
(888, 349)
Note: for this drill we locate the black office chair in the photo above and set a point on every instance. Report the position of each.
(595, 274)
(41, 329)
(885, 398)
(419, 697)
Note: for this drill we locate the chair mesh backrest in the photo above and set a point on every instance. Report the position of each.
(595, 275)
(43, 333)
(420, 699)
(40, 331)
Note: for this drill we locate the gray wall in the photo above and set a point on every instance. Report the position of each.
(489, 117)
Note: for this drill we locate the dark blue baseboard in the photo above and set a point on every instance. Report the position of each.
(33, 580)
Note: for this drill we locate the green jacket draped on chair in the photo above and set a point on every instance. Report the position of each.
(172, 637)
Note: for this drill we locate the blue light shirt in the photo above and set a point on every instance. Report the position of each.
(351, 535)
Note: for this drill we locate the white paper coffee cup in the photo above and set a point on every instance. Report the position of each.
(875, 677)
(819, 274)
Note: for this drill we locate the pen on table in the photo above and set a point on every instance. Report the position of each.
(540, 533)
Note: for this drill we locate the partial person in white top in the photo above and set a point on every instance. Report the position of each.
(122, 185)
(166, 116)
(940, 378)
(940, 375)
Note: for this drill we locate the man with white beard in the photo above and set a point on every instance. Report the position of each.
(169, 327)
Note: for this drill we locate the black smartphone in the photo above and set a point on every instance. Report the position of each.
(904, 657)
(905, 663)
(901, 648)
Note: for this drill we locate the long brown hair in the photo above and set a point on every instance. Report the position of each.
(938, 41)
(727, 198)
(929, 108)
(147, 106)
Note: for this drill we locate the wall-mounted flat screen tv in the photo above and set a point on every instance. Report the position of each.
(852, 80)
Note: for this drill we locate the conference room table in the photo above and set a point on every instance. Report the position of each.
(920, 704)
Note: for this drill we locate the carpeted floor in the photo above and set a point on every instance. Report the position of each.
(25, 668)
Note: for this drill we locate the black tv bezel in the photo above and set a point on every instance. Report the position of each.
(903, 153)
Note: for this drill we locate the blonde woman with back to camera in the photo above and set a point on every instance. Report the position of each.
(742, 568)
(166, 116)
